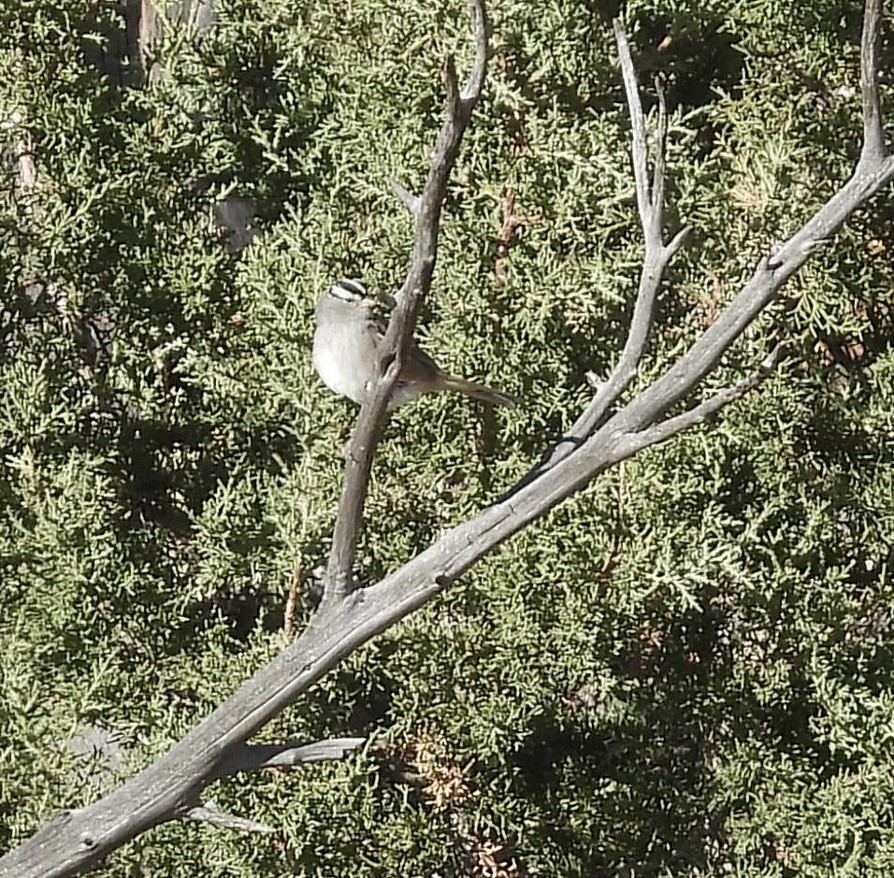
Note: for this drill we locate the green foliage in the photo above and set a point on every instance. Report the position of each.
(686, 670)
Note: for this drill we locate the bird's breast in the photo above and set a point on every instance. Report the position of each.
(340, 364)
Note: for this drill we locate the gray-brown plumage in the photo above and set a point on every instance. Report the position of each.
(345, 353)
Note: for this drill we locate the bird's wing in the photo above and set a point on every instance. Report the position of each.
(419, 366)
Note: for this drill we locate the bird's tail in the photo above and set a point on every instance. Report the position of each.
(479, 391)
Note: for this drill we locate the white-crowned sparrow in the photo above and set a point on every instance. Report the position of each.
(346, 353)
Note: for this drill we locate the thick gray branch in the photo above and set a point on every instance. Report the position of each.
(873, 136)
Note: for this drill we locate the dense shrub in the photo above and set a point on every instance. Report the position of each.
(688, 670)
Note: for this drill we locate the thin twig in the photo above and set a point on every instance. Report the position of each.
(410, 201)
(660, 161)
(259, 756)
(288, 621)
(640, 147)
(210, 813)
(704, 410)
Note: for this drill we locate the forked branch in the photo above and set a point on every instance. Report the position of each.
(874, 170)
(699, 414)
(657, 255)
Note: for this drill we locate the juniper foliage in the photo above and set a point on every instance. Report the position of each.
(687, 670)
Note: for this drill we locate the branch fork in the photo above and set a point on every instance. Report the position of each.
(640, 420)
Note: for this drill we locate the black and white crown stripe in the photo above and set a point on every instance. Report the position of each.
(348, 290)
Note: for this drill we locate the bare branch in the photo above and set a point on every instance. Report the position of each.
(24, 152)
(704, 410)
(427, 214)
(873, 136)
(451, 85)
(411, 201)
(145, 28)
(257, 757)
(677, 242)
(655, 261)
(288, 623)
(765, 283)
(658, 173)
(638, 123)
(471, 91)
(874, 171)
(210, 813)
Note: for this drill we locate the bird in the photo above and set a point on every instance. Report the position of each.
(346, 344)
